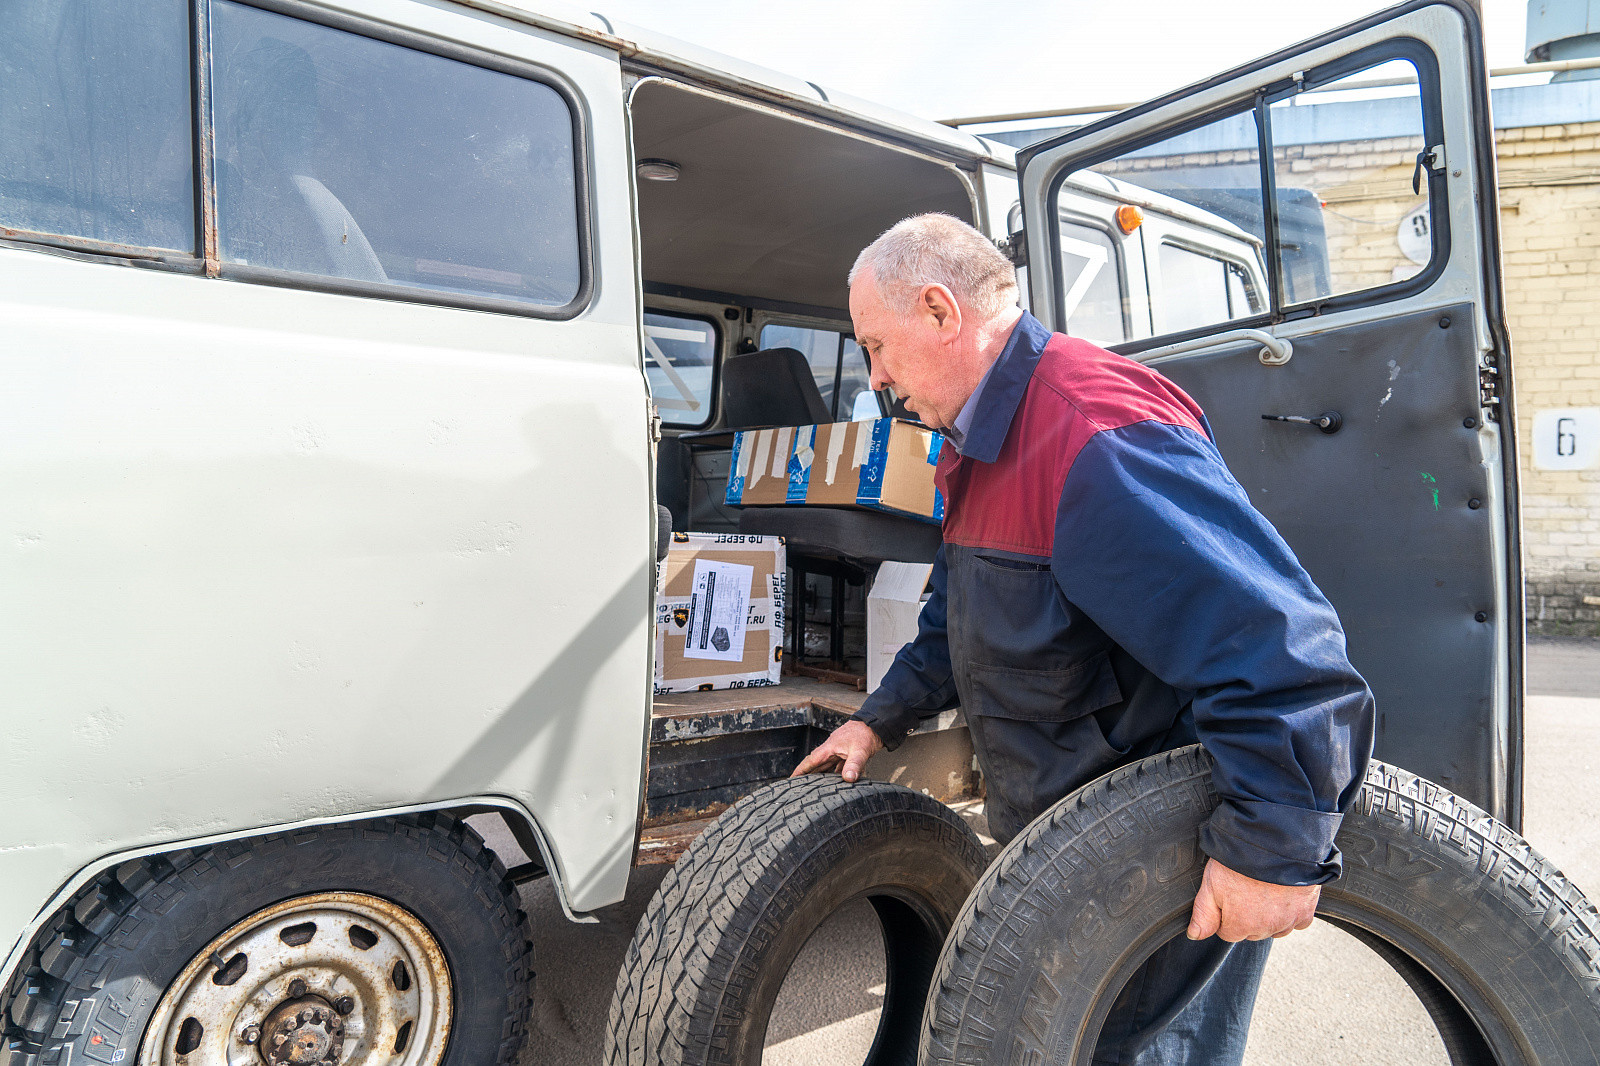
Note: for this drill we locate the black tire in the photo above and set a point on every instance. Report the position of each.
(1501, 949)
(714, 946)
(94, 976)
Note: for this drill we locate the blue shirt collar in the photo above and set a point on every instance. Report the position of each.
(957, 434)
(980, 429)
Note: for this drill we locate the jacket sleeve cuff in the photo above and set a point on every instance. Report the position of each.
(1274, 842)
(891, 719)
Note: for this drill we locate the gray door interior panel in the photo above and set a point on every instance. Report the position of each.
(1382, 515)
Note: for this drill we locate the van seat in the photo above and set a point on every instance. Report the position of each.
(771, 388)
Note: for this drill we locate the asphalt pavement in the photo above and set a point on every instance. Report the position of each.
(1326, 999)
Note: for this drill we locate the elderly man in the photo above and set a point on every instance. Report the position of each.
(1106, 591)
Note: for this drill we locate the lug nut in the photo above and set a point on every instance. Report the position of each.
(344, 1005)
(297, 988)
(251, 1034)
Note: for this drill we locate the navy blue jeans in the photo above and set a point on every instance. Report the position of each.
(1188, 1005)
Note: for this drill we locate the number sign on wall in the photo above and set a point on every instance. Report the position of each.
(1567, 438)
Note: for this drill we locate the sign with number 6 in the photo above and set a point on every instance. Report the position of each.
(1567, 438)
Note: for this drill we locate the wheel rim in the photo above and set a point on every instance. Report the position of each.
(332, 979)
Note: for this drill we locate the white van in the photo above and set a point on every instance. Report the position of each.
(338, 335)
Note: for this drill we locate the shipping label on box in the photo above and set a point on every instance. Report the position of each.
(884, 464)
(719, 612)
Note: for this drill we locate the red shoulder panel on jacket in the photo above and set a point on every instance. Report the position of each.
(1077, 390)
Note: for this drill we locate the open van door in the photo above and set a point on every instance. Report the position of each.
(1363, 399)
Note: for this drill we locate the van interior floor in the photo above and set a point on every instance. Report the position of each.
(709, 749)
(796, 693)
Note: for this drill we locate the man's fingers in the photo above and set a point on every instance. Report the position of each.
(848, 748)
(853, 764)
(1206, 918)
(818, 759)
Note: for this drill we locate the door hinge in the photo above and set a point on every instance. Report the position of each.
(655, 424)
(1489, 392)
(1015, 248)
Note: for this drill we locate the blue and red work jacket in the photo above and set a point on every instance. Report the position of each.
(1106, 591)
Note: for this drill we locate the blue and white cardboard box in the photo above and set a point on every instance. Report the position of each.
(882, 464)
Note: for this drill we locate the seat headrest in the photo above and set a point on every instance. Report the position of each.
(771, 388)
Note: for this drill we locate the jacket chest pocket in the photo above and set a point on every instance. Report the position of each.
(1007, 613)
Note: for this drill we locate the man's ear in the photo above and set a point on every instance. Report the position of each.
(939, 304)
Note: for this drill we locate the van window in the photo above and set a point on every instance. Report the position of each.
(341, 156)
(1313, 226)
(1199, 289)
(1374, 228)
(680, 362)
(96, 135)
(836, 362)
(1215, 206)
(1091, 275)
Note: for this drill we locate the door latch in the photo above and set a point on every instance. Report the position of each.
(1015, 248)
(1433, 159)
(1327, 421)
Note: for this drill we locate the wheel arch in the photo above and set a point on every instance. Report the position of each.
(524, 827)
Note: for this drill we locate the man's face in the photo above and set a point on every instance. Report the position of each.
(908, 352)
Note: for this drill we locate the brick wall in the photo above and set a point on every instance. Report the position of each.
(1550, 238)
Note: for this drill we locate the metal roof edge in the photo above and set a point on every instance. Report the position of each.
(662, 52)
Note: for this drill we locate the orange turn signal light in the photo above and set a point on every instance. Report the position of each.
(1128, 218)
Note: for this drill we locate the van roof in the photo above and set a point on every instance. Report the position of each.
(664, 52)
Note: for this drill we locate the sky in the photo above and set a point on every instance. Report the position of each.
(956, 58)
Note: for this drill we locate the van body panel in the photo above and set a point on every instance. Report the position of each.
(274, 555)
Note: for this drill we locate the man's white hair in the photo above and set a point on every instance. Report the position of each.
(938, 249)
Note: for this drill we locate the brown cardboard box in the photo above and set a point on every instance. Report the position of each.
(719, 612)
(885, 464)
(761, 465)
(836, 467)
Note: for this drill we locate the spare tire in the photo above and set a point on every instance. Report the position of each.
(1501, 949)
(715, 944)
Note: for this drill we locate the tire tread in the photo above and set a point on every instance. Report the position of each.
(719, 905)
(1559, 917)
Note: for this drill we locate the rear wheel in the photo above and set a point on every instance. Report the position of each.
(392, 943)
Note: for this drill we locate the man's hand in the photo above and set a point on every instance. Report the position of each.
(1235, 907)
(849, 746)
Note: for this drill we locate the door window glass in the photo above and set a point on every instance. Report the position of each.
(857, 401)
(1200, 288)
(1343, 160)
(1091, 276)
(837, 364)
(96, 134)
(680, 362)
(1195, 287)
(1355, 148)
(1202, 187)
(347, 157)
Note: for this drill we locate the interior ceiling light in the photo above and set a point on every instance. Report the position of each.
(658, 170)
